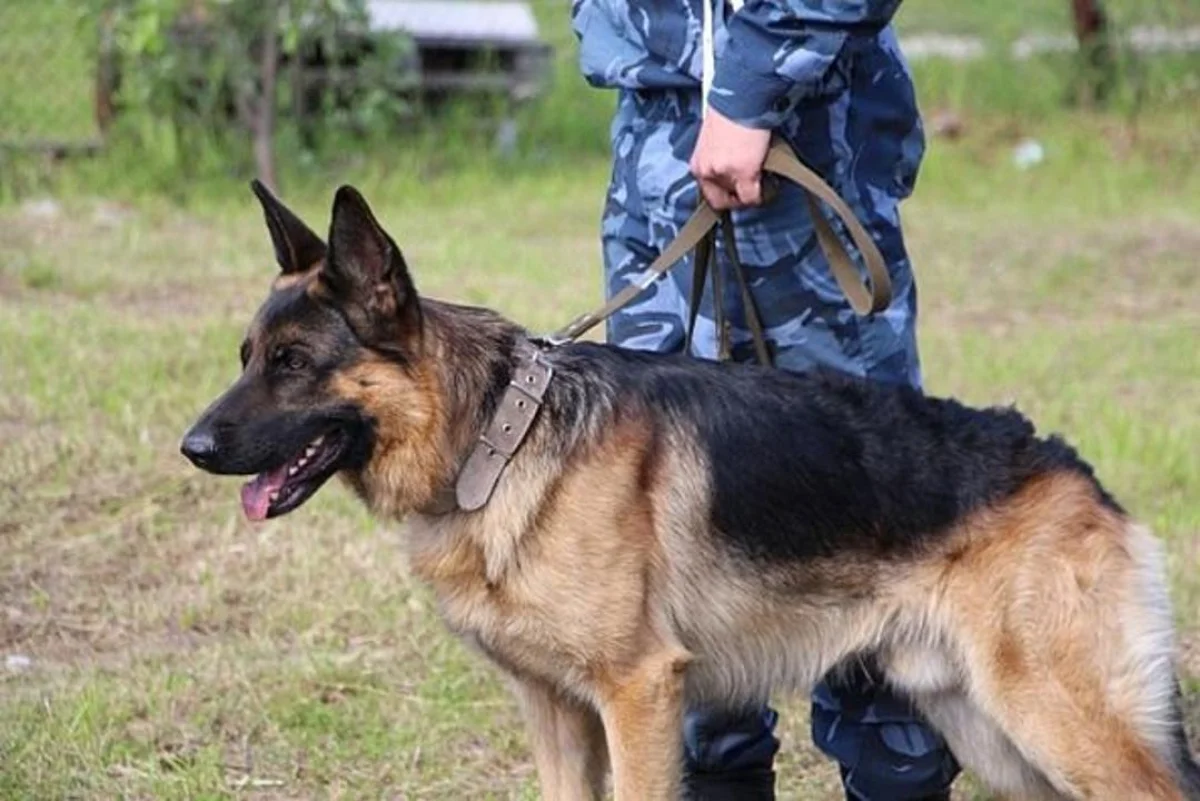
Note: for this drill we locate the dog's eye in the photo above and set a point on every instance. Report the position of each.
(289, 359)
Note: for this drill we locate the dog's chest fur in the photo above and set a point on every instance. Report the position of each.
(547, 582)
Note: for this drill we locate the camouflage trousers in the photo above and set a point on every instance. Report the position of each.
(885, 751)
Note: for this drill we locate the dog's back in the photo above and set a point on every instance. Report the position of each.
(819, 464)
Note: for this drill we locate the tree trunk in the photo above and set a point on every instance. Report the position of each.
(106, 73)
(264, 113)
(1098, 67)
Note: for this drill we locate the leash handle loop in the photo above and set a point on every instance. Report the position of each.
(782, 161)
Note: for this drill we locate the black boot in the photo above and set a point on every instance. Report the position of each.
(943, 796)
(936, 797)
(733, 785)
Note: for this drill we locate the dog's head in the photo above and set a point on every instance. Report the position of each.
(327, 363)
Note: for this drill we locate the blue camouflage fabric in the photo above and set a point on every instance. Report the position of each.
(828, 76)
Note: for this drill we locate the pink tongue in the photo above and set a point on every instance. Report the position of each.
(256, 494)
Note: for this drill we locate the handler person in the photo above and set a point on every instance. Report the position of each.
(829, 77)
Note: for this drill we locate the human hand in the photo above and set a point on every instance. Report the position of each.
(728, 162)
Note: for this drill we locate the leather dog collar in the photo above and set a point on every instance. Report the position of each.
(500, 441)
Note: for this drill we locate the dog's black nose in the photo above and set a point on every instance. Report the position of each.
(199, 447)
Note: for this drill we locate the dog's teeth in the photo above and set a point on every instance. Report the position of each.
(317, 441)
(293, 469)
(309, 451)
(274, 497)
(303, 460)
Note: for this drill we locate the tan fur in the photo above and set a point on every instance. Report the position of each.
(1035, 635)
(1057, 641)
(567, 740)
(412, 457)
(285, 280)
(521, 580)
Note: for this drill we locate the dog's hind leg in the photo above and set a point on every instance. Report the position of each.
(642, 710)
(1083, 754)
(567, 739)
(1067, 642)
(928, 673)
(982, 747)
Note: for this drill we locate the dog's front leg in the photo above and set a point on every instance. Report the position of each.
(567, 740)
(642, 710)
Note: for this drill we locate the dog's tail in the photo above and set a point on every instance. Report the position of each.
(1185, 763)
(1155, 661)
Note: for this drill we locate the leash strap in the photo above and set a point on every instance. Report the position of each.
(782, 161)
(701, 258)
(704, 260)
(753, 320)
(720, 319)
(699, 224)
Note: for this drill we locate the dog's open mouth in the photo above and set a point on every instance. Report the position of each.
(280, 490)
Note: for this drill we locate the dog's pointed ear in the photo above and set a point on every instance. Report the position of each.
(366, 272)
(297, 248)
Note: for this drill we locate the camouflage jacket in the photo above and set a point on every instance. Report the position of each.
(769, 55)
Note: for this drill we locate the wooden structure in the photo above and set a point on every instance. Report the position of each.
(468, 45)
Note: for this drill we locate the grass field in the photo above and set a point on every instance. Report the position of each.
(178, 652)
(157, 646)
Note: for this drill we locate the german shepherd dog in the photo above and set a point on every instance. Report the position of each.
(674, 531)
